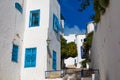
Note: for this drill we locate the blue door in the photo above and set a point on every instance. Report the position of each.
(54, 61)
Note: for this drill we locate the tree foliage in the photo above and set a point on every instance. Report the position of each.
(84, 4)
(99, 8)
(63, 48)
(68, 50)
(87, 44)
(71, 49)
(86, 47)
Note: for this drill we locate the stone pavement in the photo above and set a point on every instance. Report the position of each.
(74, 74)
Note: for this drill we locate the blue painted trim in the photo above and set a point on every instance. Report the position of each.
(14, 53)
(18, 7)
(56, 24)
(32, 18)
(54, 60)
(82, 53)
(30, 57)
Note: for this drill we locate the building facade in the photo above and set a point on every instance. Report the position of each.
(25, 28)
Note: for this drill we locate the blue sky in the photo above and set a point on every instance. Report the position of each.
(75, 21)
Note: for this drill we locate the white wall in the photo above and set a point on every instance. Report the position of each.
(106, 43)
(70, 62)
(79, 42)
(11, 31)
(37, 36)
(14, 28)
(70, 38)
(55, 43)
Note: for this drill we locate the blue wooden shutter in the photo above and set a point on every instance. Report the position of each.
(18, 7)
(54, 63)
(33, 57)
(30, 57)
(56, 24)
(15, 53)
(27, 57)
(34, 18)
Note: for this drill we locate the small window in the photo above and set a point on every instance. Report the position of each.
(56, 24)
(30, 57)
(18, 7)
(15, 53)
(83, 55)
(34, 18)
(54, 61)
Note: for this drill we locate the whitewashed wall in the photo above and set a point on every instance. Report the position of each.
(12, 24)
(106, 43)
(55, 43)
(11, 32)
(70, 62)
(70, 38)
(37, 36)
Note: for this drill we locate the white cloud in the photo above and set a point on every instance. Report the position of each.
(73, 30)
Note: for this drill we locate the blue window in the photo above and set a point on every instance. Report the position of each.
(30, 57)
(82, 53)
(18, 7)
(34, 18)
(15, 53)
(56, 24)
(54, 61)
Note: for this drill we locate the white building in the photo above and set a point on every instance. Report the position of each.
(70, 38)
(79, 42)
(90, 27)
(25, 25)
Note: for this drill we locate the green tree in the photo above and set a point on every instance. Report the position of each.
(63, 48)
(86, 46)
(71, 49)
(67, 50)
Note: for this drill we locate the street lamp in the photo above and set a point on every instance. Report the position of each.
(48, 49)
(48, 41)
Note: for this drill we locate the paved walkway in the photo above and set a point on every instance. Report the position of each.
(74, 74)
(71, 77)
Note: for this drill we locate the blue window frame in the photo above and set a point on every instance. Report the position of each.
(56, 24)
(34, 18)
(15, 53)
(82, 53)
(54, 61)
(30, 57)
(18, 7)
